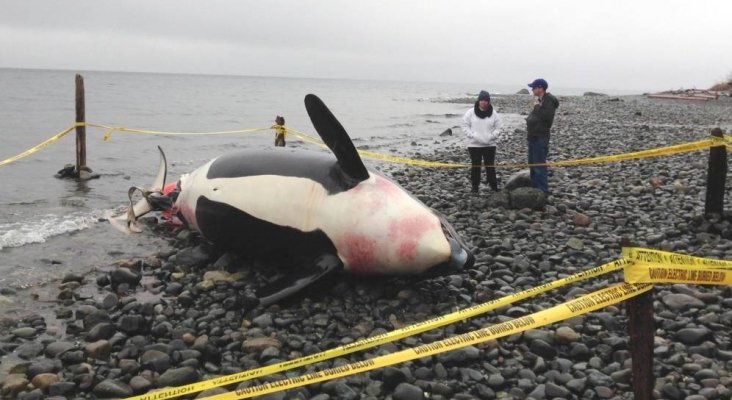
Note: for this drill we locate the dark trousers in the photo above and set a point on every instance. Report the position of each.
(483, 156)
(538, 151)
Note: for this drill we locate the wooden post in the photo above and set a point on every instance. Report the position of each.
(80, 130)
(640, 331)
(716, 177)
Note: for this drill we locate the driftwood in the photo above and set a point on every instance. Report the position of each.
(689, 94)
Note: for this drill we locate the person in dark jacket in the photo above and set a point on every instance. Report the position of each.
(538, 126)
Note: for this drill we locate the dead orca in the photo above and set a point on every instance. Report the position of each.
(333, 212)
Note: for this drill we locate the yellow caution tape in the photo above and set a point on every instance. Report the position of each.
(649, 273)
(656, 152)
(279, 130)
(656, 266)
(582, 305)
(659, 257)
(383, 338)
(110, 129)
(37, 147)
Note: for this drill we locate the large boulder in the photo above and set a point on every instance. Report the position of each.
(519, 179)
(528, 197)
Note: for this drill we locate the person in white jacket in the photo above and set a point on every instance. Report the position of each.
(482, 126)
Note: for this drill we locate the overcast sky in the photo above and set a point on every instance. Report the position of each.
(613, 45)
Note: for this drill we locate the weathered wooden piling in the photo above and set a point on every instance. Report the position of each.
(716, 176)
(641, 329)
(80, 129)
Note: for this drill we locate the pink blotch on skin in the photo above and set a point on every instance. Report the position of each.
(386, 186)
(407, 251)
(406, 231)
(359, 252)
(188, 214)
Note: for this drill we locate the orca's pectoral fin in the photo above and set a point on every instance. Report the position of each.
(336, 138)
(296, 281)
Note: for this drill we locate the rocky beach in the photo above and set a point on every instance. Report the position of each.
(188, 312)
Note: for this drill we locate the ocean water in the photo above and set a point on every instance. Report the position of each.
(50, 226)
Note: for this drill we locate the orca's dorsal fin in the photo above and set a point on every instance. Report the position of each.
(336, 138)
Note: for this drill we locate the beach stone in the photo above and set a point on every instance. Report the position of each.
(55, 349)
(406, 391)
(140, 384)
(538, 392)
(72, 357)
(128, 366)
(672, 392)
(192, 257)
(120, 276)
(132, 324)
(604, 392)
(173, 288)
(693, 336)
(112, 388)
(103, 330)
(98, 350)
(565, 334)
(339, 389)
(110, 301)
(575, 243)
(156, 360)
(256, 345)
(581, 219)
(177, 377)
(219, 276)
(392, 376)
(706, 373)
(263, 321)
(681, 302)
(459, 356)
(29, 350)
(41, 366)
(95, 317)
(64, 312)
(553, 390)
(44, 381)
(577, 386)
(25, 332)
(519, 179)
(527, 197)
(14, 384)
(62, 389)
(539, 334)
(496, 381)
(543, 349)
(622, 376)
(446, 132)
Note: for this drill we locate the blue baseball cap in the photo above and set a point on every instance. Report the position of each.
(539, 83)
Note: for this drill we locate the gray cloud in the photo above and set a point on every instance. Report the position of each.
(613, 45)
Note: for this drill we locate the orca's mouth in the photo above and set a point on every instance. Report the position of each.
(460, 255)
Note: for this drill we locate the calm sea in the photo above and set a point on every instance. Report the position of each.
(49, 226)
